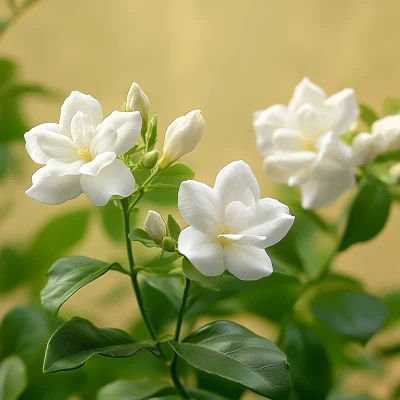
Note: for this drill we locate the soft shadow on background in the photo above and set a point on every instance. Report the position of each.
(227, 58)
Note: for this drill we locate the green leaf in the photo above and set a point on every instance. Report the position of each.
(310, 367)
(219, 386)
(391, 106)
(13, 265)
(392, 304)
(353, 314)
(139, 235)
(232, 352)
(151, 134)
(173, 228)
(200, 394)
(13, 379)
(3, 25)
(208, 282)
(67, 276)
(367, 115)
(139, 389)
(78, 340)
(368, 213)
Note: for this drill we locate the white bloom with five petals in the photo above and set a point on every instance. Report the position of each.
(80, 153)
(301, 143)
(230, 226)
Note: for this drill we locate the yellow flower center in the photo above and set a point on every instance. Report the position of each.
(226, 231)
(308, 144)
(85, 154)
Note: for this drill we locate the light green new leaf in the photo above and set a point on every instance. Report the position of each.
(391, 106)
(13, 379)
(367, 115)
(78, 340)
(353, 314)
(139, 389)
(368, 214)
(173, 228)
(141, 236)
(232, 352)
(67, 276)
(208, 282)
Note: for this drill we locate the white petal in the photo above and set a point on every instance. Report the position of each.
(236, 182)
(272, 220)
(238, 216)
(32, 146)
(82, 130)
(389, 130)
(344, 108)
(243, 239)
(75, 102)
(61, 168)
(200, 206)
(247, 262)
(202, 250)
(287, 140)
(59, 147)
(50, 189)
(312, 122)
(115, 179)
(366, 147)
(307, 92)
(104, 140)
(321, 193)
(95, 166)
(128, 126)
(266, 122)
(284, 166)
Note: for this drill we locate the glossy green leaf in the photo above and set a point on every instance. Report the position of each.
(232, 352)
(13, 378)
(78, 340)
(208, 282)
(367, 115)
(173, 228)
(391, 106)
(310, 367)
(219, 386)
(141, 236)
(139, 389)
(368, 213)
(353, 314)
(200, 394)
(67, 276)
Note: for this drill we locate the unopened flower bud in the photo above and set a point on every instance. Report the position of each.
(394, 172)
(150, 159)
(168, 244)
(138, 101)
(182, 137)
(366, 147)
(154, 225)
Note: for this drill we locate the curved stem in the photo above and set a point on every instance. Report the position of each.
(174, 364)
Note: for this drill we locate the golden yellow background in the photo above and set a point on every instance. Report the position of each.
(226, 57)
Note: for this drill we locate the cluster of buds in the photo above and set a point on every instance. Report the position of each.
(155, 226)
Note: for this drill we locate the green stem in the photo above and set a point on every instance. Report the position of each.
(141, 189)
(174, 365)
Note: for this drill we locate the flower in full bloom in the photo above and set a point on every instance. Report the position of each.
(230, 226)
(80, 153)
(301, 145)
(154, 225)
(181, 137)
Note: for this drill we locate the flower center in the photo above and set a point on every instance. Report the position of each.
(85, 154)
(308, 144)
(225, 231)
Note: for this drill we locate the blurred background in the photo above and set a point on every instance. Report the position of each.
(227, 58)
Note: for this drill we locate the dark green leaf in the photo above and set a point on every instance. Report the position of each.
(200, 394)
(367, 115)
(13, 268)
(13, 378)
(78, 340)
(217, 385)
(232, 352)
(139, 389)
(310, 367)
(67, 276)
(392, 303)
(208, 282)
(391, 106)
(353, 314)
(173, 228)
(368, 213)
(141, 236)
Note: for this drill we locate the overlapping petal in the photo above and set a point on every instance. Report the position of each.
(32, 146)
(82, 130)
(307, 92)
(59, 147)
(95, 166)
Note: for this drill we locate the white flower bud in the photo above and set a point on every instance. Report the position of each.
(138, 101)
(182, 137)
(154, 225)
(394, 172)
(366, 147)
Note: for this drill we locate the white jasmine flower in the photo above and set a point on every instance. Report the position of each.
(182, 136)
(137, 100)
(366, 146)
(230, 226)
(80, 153)
(388, 129)
(301, 143)
(154, 225)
